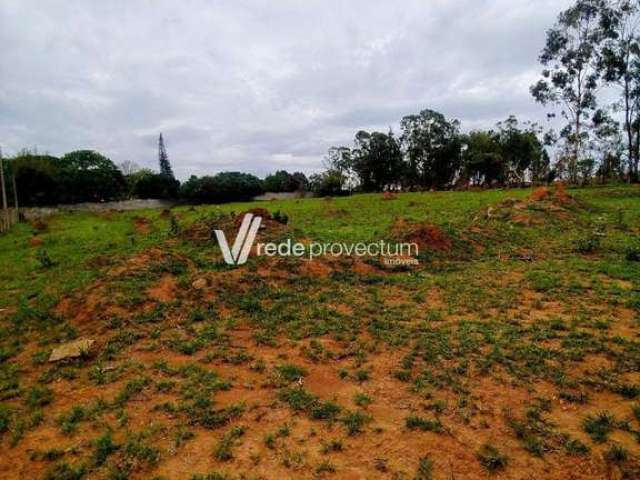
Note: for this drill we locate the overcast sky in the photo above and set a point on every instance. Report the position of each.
(256, 85)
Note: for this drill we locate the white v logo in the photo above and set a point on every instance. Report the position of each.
(239, 253)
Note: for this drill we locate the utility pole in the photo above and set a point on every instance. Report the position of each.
(4, 193)
(15, 194)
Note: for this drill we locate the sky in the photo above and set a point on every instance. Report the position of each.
(257, 85)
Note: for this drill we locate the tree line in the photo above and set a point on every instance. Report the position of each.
(89, 176)
(432, 153)
(591, 84)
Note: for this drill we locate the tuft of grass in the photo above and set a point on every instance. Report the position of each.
(355, 421)
(270, 440)
(331, 446)
(325, 467)
(628, 390)
(361, 400)
(223, 450)
(38, 396)
(617, 454)
(425, 469)
(599, 426)
(132, 388)
(325, 411)
(415, 422)
(491, 458)
(576, 447)
(104, 447)
(64, 471)
(297, 398)
(291, 373)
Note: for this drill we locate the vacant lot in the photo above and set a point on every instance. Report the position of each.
(511, 352)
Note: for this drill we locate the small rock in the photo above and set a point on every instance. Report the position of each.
(74, 349)
(199, 284)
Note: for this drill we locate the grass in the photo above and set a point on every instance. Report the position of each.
(354, 355)
(491, 458)
(599, 426)
(426, 425)
(223, 450)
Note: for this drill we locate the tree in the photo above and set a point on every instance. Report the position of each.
(328, 183)
(520, 148)
(36, 177)
(128, 167)
(620, 60)
(505, 155)
(483, 160)
(571, 74)
(376, 160)
(433, 150)
(163, 160)
(221, 188)
(340, 160)
(608, 145)
(88, 176)
(541, 168)
(148, 184)
(300, 181)
(283, 181)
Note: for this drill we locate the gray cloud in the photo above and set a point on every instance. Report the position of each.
(256, 85)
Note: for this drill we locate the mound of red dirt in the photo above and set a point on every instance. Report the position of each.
(257, 212)
(536, 208)
(389, 196)
(540, 194)
(558, 197)
(426, 236)
(141, 224)
(561, 196)
(36, 241)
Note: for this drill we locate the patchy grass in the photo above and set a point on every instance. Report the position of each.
(513, 350)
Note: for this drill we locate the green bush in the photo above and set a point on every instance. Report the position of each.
(221, 188)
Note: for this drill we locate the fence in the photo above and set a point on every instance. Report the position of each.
(8, 219)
